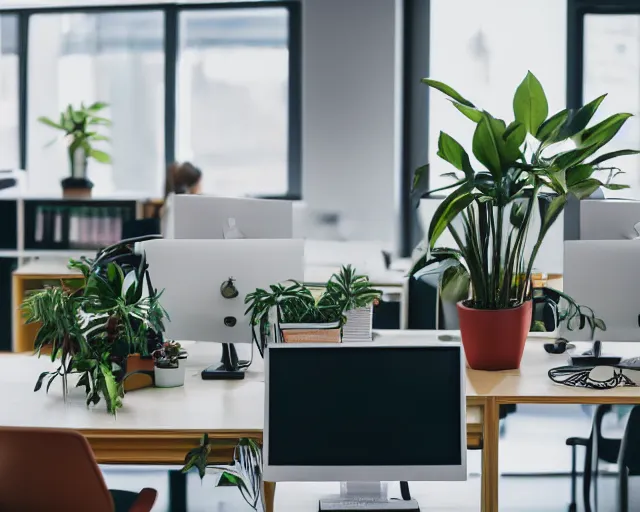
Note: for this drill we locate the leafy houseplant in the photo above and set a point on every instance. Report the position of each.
(294, 303)
(489, 210)
(93, 328)
(80, 128)
(245, 472)
(169, 373)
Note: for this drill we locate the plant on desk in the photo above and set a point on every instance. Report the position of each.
(298, 310)
(92, 329)
(245, 472)
(526, 171)
(169, 373)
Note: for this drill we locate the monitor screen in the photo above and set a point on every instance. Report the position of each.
(365, 406)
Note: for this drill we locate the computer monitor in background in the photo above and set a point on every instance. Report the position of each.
(364, 412)
(196, 217)
(610, 219)
(601, 274)
(192, 275)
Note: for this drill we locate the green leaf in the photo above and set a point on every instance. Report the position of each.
(551, 214)
(600, 324)
(614, 186)
(530, 105)
(451, 151)
(470, 112)
(604, 131)
(585, 188)
(449, 91)
(52, 124)
(420, 184)
(574, 157)
(578, 121)
(575, 175)
(613, 154)
(455, 283)
(98, 105)
(514, 137)
(485, 148)
(100, 156)
(448, 210)
(39, 381)
(551, 127)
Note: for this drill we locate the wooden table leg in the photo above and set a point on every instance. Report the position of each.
(490, 470)
(269, 496)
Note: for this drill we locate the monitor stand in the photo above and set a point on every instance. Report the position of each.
(230, 369)
(366, 496)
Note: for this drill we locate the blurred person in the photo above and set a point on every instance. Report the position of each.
(181, 178)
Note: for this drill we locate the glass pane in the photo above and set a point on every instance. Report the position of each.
(117, 58)
(612, 65)
(484, 55)
(233, 99)
(9, 97)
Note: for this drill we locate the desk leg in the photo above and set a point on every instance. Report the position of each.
(177, 491)
(269, 496)
(490, 471)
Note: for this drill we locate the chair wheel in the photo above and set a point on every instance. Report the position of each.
(573, 508)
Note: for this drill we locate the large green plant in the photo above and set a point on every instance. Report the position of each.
(80, 127)
(92, 328)
(523, 173)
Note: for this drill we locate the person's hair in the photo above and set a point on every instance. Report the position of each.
(181, 177)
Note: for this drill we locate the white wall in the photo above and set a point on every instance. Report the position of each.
(351, 114)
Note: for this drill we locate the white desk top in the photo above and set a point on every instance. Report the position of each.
(387, 278)
(198, 406)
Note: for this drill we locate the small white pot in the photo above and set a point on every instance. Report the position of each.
(169, 377)
(359, 324)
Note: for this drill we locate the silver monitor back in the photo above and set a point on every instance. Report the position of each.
(602, 274)
(190, 273)
(610, 219)
(196, 217)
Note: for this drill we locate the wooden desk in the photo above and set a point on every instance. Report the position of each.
(155, 426)
(532, 385)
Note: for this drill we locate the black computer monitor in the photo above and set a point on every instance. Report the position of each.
(364, 412)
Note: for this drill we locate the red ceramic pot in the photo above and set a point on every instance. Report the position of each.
(494, 339)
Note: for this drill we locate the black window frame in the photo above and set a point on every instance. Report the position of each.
(171, 41)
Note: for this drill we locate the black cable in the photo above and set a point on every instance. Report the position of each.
(404, 491)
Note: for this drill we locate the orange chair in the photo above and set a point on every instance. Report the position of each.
(54, 469)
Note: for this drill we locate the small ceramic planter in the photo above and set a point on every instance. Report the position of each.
(359, 324)
(169, 377)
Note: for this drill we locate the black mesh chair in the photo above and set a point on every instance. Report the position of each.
(598, 448)
(629, 458)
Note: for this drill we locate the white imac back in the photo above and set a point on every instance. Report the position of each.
(609, 219)
(602, 274)
(197, 217)
(190, 273)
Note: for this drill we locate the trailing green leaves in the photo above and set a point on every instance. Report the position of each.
(530, 105)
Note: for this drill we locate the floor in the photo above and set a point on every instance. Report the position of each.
(534, 462)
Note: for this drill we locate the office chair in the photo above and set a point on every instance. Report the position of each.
(74, 483)
(598, 448)
(629, 459)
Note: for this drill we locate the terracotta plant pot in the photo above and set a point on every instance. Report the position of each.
(494, 339)
(144, 365)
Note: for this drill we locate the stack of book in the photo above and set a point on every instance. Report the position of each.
(359, 325)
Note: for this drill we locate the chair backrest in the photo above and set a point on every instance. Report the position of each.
(50, 469)
(630, 448)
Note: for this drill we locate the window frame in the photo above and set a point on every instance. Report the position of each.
(171, 13)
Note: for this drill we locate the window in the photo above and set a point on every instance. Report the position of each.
(115, 57)
(9, 93)
(484, 55)
(233, 100)
(612, 65)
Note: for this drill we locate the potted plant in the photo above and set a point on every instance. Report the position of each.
(300, 315)
(94, 328)
(245, 472)
(168, 371)
(357, 297)
(524, 170)
(80, 128)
